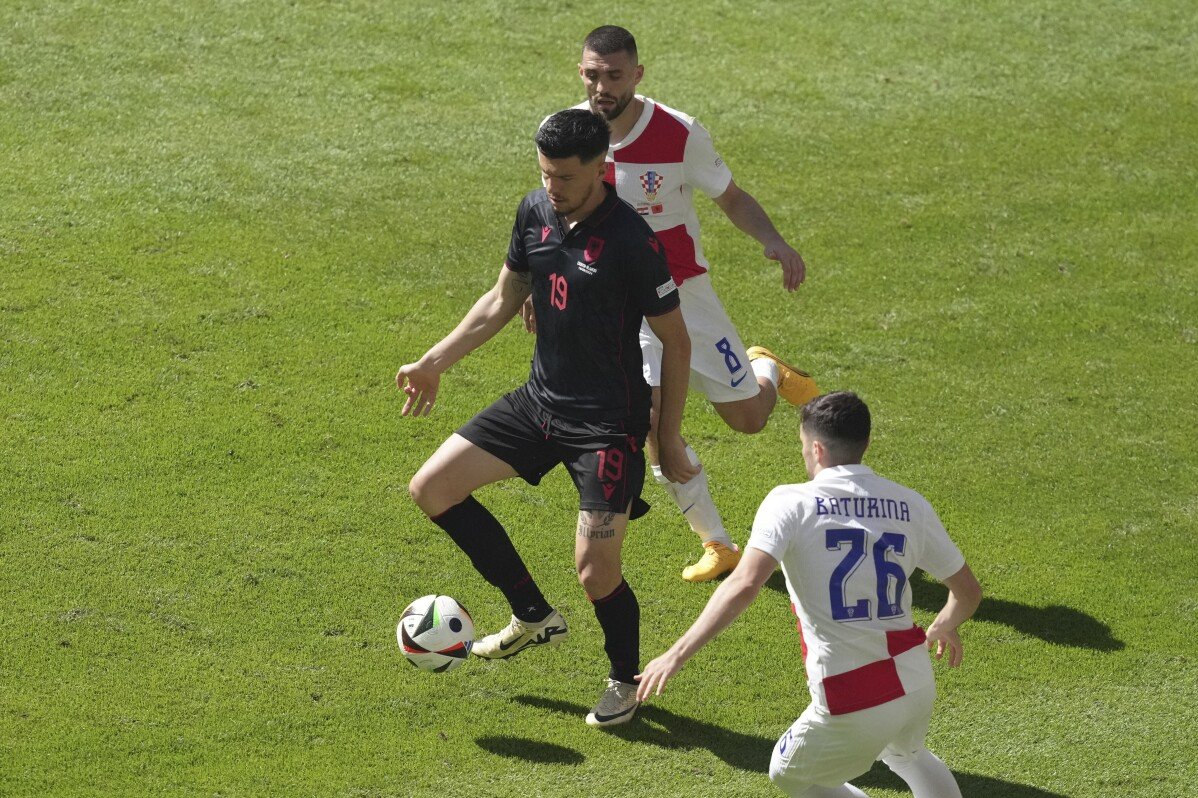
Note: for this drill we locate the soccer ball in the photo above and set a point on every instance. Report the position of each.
(435, 633)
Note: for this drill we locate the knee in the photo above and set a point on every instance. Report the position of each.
(900, 762)
(423, 488)
(784, 779)
(598, 579)
(748, 424)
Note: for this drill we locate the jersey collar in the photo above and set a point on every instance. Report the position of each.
(638, 128)
(840, 471)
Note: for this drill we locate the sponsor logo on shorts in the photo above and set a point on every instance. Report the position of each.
(737, 382)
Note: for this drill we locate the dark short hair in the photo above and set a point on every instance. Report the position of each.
(841, 422)
(608, 39)
(575, 131)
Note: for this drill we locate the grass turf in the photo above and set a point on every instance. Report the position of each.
(225, 225)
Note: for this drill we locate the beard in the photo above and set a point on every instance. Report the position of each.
(569, 206)
(618, 108)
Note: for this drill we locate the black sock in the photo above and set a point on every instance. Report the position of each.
(489, 548)
(619, 615)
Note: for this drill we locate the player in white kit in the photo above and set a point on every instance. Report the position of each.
(658, 159)
(848, 542)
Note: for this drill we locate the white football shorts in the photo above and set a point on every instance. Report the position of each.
(828, 750)
(719, 364)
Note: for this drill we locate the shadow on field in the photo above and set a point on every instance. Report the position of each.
(1064, 626)
(972, 786)
(660, 727)
(530, 750)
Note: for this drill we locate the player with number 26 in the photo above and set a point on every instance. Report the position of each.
(848, 542)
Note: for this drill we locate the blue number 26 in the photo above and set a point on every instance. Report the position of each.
(891, 578)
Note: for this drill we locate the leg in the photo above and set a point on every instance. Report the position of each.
(455, 470)
(597, 556)
(820, 753)
(907, 757)
(443, 487)
(925, 774)
(749, 415)
(693, 499)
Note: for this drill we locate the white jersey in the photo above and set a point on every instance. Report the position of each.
(656, 169)
(849, 541)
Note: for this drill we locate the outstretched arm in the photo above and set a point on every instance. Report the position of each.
(725, 605)
(747, 214)
(964, 596)
(422, 379)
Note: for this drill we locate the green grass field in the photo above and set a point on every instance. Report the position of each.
(224, 225)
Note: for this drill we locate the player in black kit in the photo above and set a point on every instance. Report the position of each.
(594, 269)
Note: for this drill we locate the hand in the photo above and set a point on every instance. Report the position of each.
(676, 466)
(529, 315)
(794, 271)
(946, 639)
(420, 383)
(652, 680)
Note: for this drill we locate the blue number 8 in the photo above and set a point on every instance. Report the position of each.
(892, 580)
(730, 359)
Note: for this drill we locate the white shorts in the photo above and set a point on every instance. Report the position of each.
(719, 364)
(828, 750)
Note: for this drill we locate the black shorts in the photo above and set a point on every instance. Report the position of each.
(605, 459)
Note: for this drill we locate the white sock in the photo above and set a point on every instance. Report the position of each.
(764, 367)
(695, 502)
(925, 774)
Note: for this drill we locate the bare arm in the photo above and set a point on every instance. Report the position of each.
(725, 605)
(747, 214)
(675, 377)
(964, 596)
(421, 380)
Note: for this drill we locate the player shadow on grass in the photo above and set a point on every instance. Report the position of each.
(530, 750)
(971, 784)
(750, 752)
(663, 728)
(1054, 624)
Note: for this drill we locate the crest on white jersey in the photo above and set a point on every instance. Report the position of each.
(651, 182)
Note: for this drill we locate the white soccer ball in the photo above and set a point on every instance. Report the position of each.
(435, 633)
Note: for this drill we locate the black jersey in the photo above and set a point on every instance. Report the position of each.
(591, 286)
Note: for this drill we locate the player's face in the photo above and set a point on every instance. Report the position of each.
(569, 182)
(610, 81)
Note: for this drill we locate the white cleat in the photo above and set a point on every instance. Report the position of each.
(617, 705)
(519, 635)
